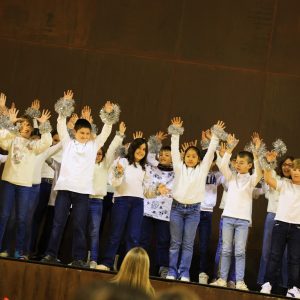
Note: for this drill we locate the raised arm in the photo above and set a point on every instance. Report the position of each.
(257, 175)
(268, 174)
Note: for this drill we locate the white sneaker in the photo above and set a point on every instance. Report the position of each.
(266, 288)
(231, 284)
(241, 285)
(293, 293)
(185, 279)
(102, 268)
(219, 282)
(93, 264)
(203, 278)
(170, 277)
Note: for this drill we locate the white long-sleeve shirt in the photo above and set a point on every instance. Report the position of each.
(101, 169)
(289, 202)
(240, 190)
(78, 160)
(272, 195)
(189, 183)
(131, 183)
(22, 153)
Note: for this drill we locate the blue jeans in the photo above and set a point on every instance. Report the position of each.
(80, 206)
(204, 238)
(94, 221)
(184, 220)
(127, 212)
(234, 230)
(32, 205)
(162, 234)
(284, 234)
(231, 275)
(266, 249)
(40, 212)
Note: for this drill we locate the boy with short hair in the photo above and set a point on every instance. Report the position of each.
(75, 182)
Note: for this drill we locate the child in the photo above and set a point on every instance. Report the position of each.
(101, 168)
(188, 192)
(75, 182)
(18, 172)
(157, 209)
(238, 209)
(272, 196)
(286, 230)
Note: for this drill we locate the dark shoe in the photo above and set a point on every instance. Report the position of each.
(79, 264)
(50, 259)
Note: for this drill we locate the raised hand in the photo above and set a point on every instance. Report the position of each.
(120, 169)
(256, 140)
(193, 143)
(2, 101)
(162, 189)
(184, 146)
(122, 128)
(13, 115)
(231, 142)
(72, 121)
(68, 95)
(108, 107)
(36, 104)
(223, 148)
(271, 156)
(86, 112)
(138, 135)
(220, 124)
(177, 122)
(160, 135)
(45, 116)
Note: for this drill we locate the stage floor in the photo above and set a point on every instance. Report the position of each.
(32, 280)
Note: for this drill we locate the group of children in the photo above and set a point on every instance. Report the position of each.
(47, 176)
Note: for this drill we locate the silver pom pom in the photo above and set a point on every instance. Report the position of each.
(64, 107)
(233, 144)
(45, 127)
(32, 113)
(154, 144)
(71, 133)
(112, 117)
(175, 130)
(220, 133)
(265, 165)
(204, 144)
(249, 147)
(279, 147)
(94, 129)
(121, 152)
(6, 123)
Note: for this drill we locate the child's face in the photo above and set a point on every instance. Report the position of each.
(140, 153)
(55, 139)
(165, 158)
(83, 135)
(26, 129)
(295, 173)
(286, 167)
(99, 156)
(191, 158)
(242, 165)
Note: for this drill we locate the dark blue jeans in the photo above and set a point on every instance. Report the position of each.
(94, 221)
(204, 238)
(127, 213)
(33, 202)
(19, 196)
(284, 234)
(63, 203)
(40, 212)
(162, 235)
(184, 220)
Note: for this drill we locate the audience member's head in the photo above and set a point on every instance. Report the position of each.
(134, 271)
(178, 293)
(109, 291)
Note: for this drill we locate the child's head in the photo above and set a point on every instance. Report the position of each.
(164, 156)
(192, 156)
(55, 137)
(26, 127)
(83, 130)
(134, 270)
(244, 162)
(285, 166)
(295, 171)
(99, 156)
(137, 152)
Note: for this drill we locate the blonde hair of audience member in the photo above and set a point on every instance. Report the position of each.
(134, 271)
